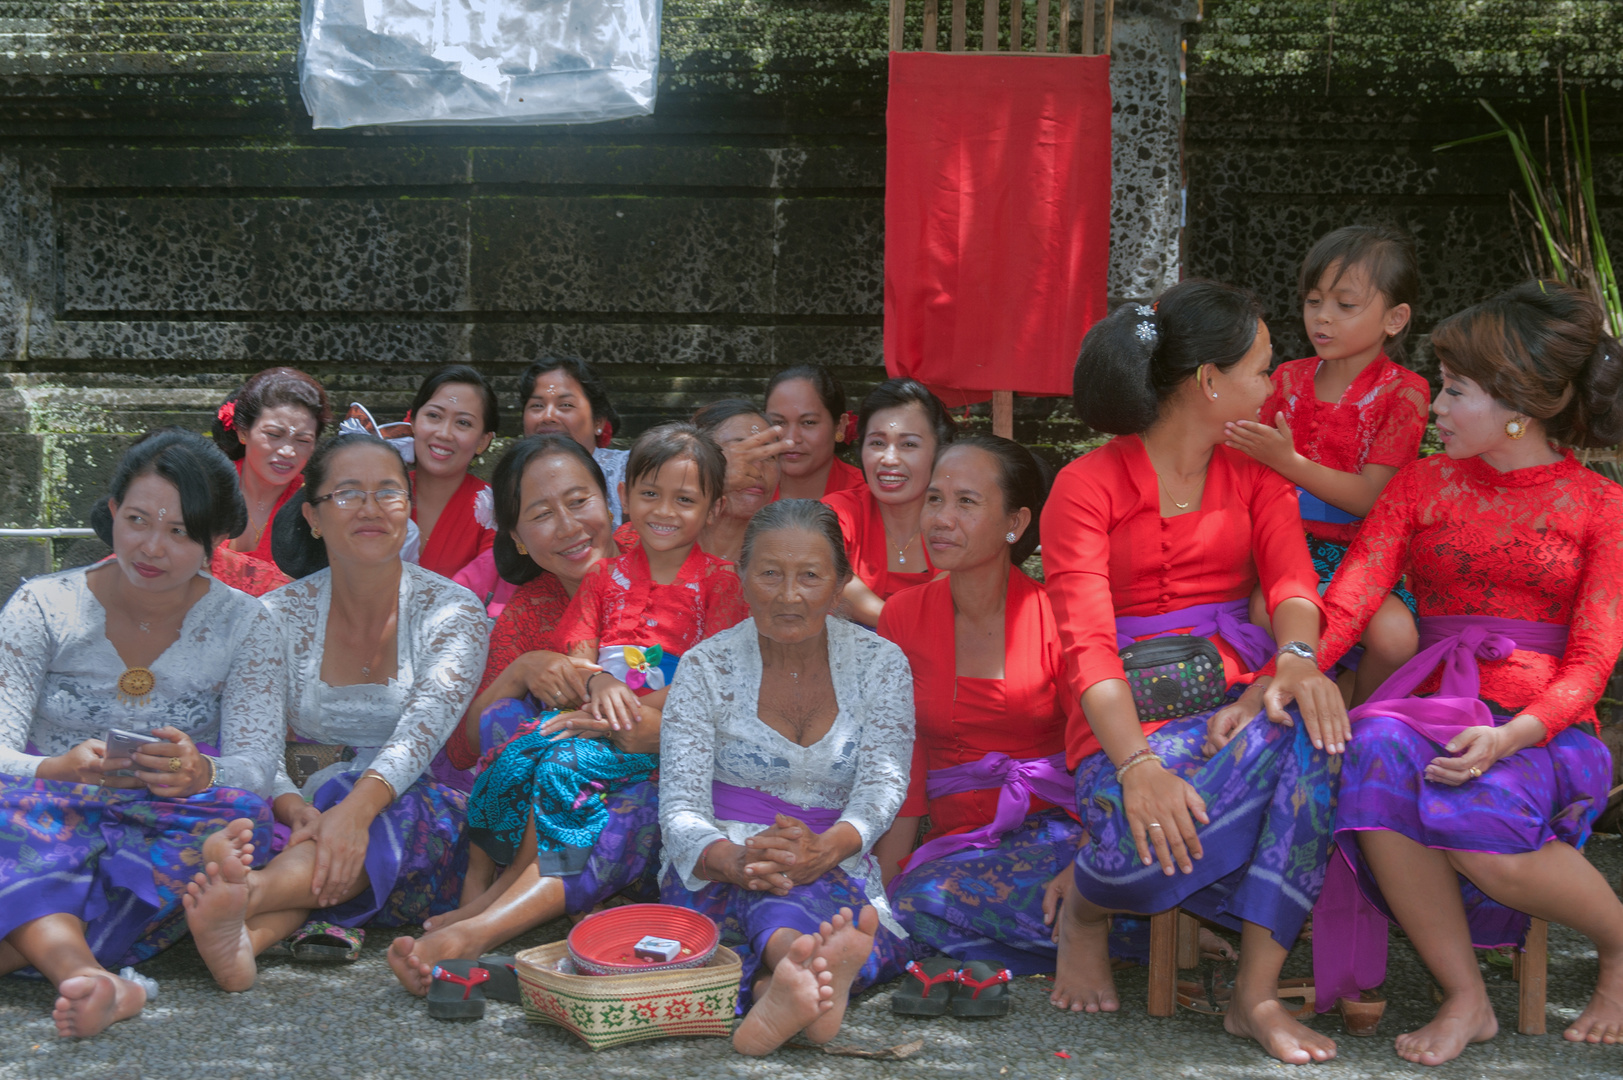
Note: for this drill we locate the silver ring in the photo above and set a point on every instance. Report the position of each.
(1153, 825)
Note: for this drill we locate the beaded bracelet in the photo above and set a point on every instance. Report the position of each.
(1136, 760)
(1136, 755)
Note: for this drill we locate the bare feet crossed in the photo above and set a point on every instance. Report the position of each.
(846, 945)
(801, 990)
(216, 903)
(87, 1005)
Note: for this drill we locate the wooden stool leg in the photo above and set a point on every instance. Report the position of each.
(1164, 963)
(1535, 962)
(1188, 941)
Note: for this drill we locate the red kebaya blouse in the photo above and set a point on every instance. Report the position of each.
(457, 535)
(866, 545)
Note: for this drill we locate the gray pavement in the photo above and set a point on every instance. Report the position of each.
(355, 1022)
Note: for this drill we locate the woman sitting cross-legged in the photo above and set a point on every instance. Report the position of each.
(784, 755)
(1473, 776)
(1164, 530)
(552, 526)
(96, 849)
(382, 658)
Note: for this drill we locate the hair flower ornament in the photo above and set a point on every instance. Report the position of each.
(484, 508)
(227, 415)
(1145, 330)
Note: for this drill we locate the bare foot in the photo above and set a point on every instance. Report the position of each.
(1462, 1020)
(1268, 1023)
(216, 903)
(846, 945)
(801, 989)
(1602, 1019)
(89, 1004)
(1083, 981)
(413, 959)
(1214, 947)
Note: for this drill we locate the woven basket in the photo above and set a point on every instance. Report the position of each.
(608, 1010)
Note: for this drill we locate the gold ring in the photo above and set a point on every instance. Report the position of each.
(174, 764)
(1475, 772)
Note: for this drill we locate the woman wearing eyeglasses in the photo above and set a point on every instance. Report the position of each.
(383, 657)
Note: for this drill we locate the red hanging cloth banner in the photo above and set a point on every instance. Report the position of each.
(997, 219)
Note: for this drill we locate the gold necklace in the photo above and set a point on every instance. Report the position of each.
(1162, 481)
(901, 552)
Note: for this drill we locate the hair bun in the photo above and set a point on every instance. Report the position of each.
(1598, 416)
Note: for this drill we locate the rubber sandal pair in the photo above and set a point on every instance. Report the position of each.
(942, 985)
(322, 942)
(459, 989)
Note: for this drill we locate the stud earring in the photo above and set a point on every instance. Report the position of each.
(316, 533)
(1009, 537)
(521, 549)
(1516, 429)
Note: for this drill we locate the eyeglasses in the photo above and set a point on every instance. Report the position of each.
(355, 498)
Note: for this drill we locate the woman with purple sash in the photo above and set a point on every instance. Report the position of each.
(1473, 774)
(382, 658)
(97, 847)
(990, 713)
(784, 755)
(1223, 811)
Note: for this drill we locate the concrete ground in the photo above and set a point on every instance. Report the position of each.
(356, 1023)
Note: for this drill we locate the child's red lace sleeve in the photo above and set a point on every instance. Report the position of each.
(581, 627)
(724, 605)
(1406, 408)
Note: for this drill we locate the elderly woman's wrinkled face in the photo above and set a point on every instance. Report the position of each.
(791, 585)
(149, 536)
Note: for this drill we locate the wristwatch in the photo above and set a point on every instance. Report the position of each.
(1298, 648)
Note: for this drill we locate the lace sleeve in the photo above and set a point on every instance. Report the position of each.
(882, 681)
(25, 645)
(1595, 633)
(687, 764)
(253, 708)
(1373, 564)
(450, 637)
(1396, 441)
(724, 606)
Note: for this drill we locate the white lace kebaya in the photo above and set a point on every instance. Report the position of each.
(396, 728)
(710, 731)
(221, 682)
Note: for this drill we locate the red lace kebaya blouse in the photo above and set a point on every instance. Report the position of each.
(866, 545)
(1107, 551)
(620, 603)
(1543, 544)
(959, 720)
(1379, 420)
(245, 572)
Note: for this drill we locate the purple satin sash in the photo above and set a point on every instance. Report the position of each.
(1019, 780)
(1349, 933)
(730, 803)
(1231, 621)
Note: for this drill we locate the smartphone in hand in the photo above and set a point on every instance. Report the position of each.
(123, 744)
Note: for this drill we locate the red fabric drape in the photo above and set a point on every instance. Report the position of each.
(997, 219)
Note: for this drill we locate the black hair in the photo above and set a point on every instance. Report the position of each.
(896, 393)
(669, 442)
(298, 551)
(807, 514)
(1134, 358)
(507, 484)
(211, 503)
(269, 389)
(1020, 478)
(597, 394)
(710, 417)
(459, 373)
(827, 388)
(1387, 258)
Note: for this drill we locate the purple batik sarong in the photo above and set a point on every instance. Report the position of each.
(1524, 801)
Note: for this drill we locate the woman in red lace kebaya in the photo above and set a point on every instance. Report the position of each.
(1224, 810)
(1342, 422)
(1477, 761)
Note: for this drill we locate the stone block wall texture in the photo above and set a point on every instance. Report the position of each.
(169, 222)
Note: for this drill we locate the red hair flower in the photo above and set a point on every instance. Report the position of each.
(845, 429)
(605, 434)
(227, 414)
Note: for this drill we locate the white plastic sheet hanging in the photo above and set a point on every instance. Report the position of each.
(478, 61)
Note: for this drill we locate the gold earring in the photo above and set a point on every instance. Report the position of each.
(1516, 429)
(316, 533)
(520, 545)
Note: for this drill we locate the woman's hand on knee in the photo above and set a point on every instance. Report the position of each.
(299, 816)
(1317, 698)
(342, 835)
(1162, 809)
(1227, 722)
(1467, 756)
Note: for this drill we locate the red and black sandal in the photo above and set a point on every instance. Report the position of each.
(454, 994)
(990, 988)
(929, 991)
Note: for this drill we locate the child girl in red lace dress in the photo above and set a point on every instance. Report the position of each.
(634, 615)
(1341, 423)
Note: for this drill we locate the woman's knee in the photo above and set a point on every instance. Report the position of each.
(1392, 634)
(1377, 735)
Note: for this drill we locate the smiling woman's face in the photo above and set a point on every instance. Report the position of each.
(563, 517)
(369, 532)
(790, 584)
(449, 431)
(898, 450)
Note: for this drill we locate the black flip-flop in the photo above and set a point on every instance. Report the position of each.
(503, 982)
(322, 942)
(929, 988)
(454, 990)
(983, 990)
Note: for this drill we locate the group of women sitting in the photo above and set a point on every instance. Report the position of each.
(730, 671)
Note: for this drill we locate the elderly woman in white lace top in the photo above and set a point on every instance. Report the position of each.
(784, 754)
(382, 659)
(98, 841)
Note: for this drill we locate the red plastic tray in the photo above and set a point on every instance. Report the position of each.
(603, 944)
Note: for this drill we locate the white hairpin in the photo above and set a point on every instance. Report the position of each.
(484, 509)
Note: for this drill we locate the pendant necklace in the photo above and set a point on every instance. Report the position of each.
(901, 552)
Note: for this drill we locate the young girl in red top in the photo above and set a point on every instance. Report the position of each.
(1341, 423)
(453, 418)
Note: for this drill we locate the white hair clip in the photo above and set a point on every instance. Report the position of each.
(484, 509)
(1145, 331)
